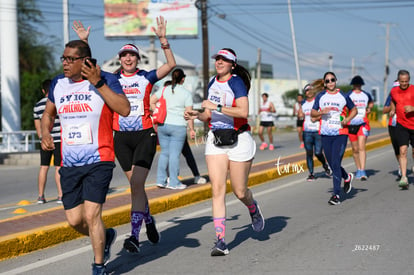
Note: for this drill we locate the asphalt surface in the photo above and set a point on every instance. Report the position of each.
(44, 225)
(368, 233)
(20, 183)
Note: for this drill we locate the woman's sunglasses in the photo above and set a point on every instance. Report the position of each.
(333, 80)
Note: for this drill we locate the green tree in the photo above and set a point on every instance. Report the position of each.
(289, 97)
(35, 60)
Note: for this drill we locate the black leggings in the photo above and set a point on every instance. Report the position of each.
(189, 158)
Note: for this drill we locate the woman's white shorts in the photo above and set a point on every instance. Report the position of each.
(243, 150)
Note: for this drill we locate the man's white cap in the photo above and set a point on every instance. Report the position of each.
(128, 48)
(226, 54)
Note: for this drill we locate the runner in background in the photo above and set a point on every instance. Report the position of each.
(404, 107)
(267, 110)
(392, 128)
(299, 119)
(358, 128)
(311, 137)
(330, 108)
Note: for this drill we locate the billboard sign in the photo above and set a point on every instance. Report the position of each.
(134, 18)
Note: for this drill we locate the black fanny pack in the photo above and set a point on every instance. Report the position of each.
(227, 137)
(353, 129)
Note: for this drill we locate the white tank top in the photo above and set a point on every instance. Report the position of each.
(265, 114)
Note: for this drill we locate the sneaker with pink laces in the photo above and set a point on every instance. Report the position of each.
(271, 147)
(263, 146)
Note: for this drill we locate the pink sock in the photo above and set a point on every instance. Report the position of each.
(220, 227)
(252, 208)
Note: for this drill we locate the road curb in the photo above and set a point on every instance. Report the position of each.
(39, 238)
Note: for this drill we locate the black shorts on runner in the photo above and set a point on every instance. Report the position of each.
(267, 123)
(85, 183)
(299, 122)
(404, 136)
(392, 130)
(46, 156)
(136, 148)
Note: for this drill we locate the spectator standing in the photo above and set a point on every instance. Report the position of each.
(267, 110)
(46, 156)
(173, 132)
(227, 108)
(191, 162)
(358, 128)
(85, 109)
(330, 108)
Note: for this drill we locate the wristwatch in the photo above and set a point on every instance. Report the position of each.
(100, 83)
(219, 107)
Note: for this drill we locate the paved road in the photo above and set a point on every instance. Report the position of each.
(20, 183)
(369, 233)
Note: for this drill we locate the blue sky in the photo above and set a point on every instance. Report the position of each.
(352, 32)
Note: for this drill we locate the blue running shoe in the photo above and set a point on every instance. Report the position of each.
(220, 248)
(99, 270)
(364, 176)
(358, 174)
(258, 222)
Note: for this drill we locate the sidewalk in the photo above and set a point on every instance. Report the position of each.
(42, 229)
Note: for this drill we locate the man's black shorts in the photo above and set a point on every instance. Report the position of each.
(299, 122)
(392, 130)
(85, 183)
(404, 136)
(136, 148)
(267, 123)
(46, 156)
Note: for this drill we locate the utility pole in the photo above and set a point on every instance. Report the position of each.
(202, 5)
(259, 84)
(10, 76)
(295, 52)
(65, 22)
(387, 68)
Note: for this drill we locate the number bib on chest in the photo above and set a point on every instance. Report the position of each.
(334, 121)
(137, 107)
(312, 126)
(77, 134)
(217, 97)
(361, 112)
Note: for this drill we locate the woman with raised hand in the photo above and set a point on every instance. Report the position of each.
(135, 139)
